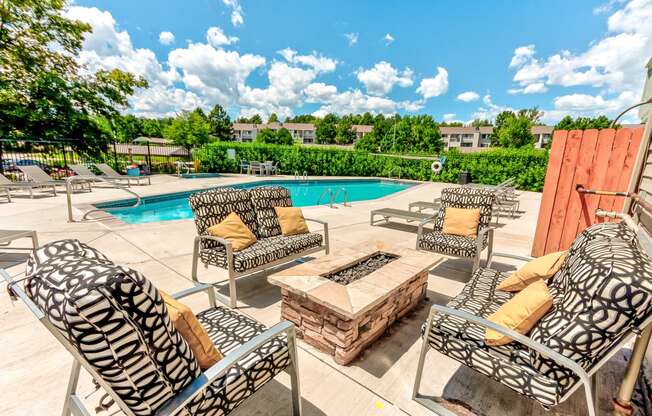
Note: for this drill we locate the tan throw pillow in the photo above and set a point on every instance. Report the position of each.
(461, 221)
(191, 330)
(520, 313)
(291, 220)
(235, 231)
(541, 268)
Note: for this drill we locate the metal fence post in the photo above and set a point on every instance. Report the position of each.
(65, 161)
(115, 156)
(149, 156)
(2, 165)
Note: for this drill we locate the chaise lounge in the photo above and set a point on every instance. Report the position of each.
(602, 297)
(256, 209)
(117, 326)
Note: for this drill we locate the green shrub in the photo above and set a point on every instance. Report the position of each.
(528, 166)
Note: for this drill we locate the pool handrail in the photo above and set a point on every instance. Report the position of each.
(83, 178)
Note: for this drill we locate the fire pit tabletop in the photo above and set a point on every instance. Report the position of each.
(353, 300)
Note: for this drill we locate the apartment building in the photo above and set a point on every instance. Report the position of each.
(474, 138)
(304, 133)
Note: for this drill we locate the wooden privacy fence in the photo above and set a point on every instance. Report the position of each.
(596, 159)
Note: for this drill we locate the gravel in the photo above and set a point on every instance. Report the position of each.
(361, 269)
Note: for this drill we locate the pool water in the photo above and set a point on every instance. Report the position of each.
(199, 175)
(304, 193)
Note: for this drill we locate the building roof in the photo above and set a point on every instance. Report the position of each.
(458, 130)
(142, 150)
(158, 140)
(542, 129)
(362, 128)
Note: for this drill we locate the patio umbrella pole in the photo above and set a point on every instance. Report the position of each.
(623, 402)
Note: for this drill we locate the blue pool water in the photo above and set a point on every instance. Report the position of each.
(304, 193)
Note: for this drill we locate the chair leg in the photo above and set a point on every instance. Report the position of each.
(233, 295)
(71, 389)
(590, 392)
(295, 385)
(476, 261)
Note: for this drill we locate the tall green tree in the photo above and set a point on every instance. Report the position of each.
(479, 122)
(220, 123)
(326, 131)
(283, 136)
(267, 136)
(516, 132)
(273, 118)
(189, 130)
(583, 123)
(345, 133)
(44, 94)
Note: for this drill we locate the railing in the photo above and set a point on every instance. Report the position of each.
(389, 175)
(81, 178)
(332, 196)
(303, 177)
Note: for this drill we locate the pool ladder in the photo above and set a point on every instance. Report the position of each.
(303, 177)
(70, 181)
(332, 195)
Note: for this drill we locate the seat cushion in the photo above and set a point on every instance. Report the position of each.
(228, 330)
(264, 199)
(464, 341)
(234, 231)
(212, 207)
(116, 319)
(453, 245)
(264, 251)
(468, 198)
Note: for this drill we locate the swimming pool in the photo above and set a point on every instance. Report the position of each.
(304, 193)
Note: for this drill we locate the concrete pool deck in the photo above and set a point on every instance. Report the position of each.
(34, 367)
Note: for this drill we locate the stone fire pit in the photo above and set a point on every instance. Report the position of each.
(342, 302)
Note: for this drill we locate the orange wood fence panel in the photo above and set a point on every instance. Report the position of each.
(601, 160)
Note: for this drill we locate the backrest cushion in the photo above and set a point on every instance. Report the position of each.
(466, 197)
(264, 199)
(116, 319)
(603, 289)
(212, 206)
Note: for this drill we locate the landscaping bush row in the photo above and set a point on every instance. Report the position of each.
(528, 166)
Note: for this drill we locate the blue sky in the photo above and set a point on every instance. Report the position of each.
(575, 57)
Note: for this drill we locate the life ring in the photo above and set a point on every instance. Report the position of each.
(436, 167)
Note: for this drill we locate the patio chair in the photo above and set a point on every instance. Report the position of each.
(271, 167)
(8, 185)
(38, 175)
(255, 168)
(455, 245)
(421, 205)
(115, 324)
(83, 170)
(602, 298)
(256, 209)
(244, 166)
(112, 174)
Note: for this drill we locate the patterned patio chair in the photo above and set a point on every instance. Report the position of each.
(602, 298)
(454, 245)
(116, 326)
(256, 209)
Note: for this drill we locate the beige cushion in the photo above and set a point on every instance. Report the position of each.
(191, 330)
(461, 221)
(291, 220)
(541, 268)
(235, 231)
(520, 313)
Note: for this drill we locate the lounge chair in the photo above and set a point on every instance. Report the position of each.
(113, 175)
(602, 299)
(115, 324)
(455, 245)
(256, 209)
(9, 185)
(421, 205)
(83, 170)
(38, 175)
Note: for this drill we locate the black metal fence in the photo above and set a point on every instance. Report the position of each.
(56, 157)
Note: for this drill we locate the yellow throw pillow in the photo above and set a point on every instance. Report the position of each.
(461, 221)
(541, 268)
(520, 313)
(291, 220)
(191, 330)
(235, 231)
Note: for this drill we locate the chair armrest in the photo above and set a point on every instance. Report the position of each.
(222, 367)
(515, 336)
(421, 224)
(223, 241)
(199, 287)
(326, 238)
(316, 220)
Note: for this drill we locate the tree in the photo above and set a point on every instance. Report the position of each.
(283, 136)
(273, 118)
(220, 124)
(451, 124)
(151, 127)
(344, 131)
(499, 122)
(583, 123)
(255, 119)
(479, 122)
(533, 114)
(516, 132)
(302, 118)
(189, 130)
(267, 136)
(44, 93)
(326, 129)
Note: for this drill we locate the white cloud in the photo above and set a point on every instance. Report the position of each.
(576, 105)
(388, 39)
(607, 7)
(449, 117)
(166, 38)
(436, 86)
(352, 38)
(490, 110)
(237, 15)
(356, 101)
(381, 78)
(216, 37)
(319, 92)
(318, 62)
(613, 64)
(468, 96)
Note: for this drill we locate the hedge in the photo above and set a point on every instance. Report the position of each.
(528, 166)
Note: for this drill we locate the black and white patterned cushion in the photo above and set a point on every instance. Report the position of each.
(461, 197)
(264, 199)
(464, 341)
(116, 319)
(603, 289)
(263, 251)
